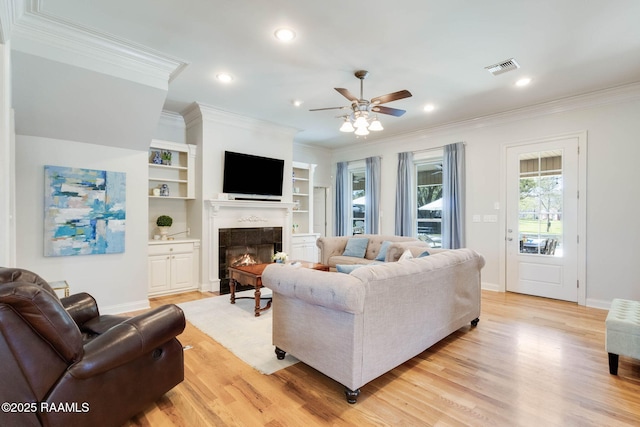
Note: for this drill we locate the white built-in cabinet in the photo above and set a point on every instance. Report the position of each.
(178, 174)
(303, 239)
(173, 266)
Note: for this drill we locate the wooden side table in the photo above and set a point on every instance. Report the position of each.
(252, 275)
(248, 275)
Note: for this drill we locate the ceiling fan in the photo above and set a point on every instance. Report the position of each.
(363, 115)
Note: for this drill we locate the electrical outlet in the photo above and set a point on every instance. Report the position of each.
(188, 231)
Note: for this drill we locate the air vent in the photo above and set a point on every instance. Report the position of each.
(503, 67)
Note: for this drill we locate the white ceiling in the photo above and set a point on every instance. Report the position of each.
(435, 49)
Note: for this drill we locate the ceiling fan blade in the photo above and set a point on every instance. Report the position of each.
(328, 108)
(386, 110)
(344, 92)
(391, 97)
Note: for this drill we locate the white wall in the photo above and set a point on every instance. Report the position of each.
(117, 281)
(613, 132)
(7, 184)
(319, 156)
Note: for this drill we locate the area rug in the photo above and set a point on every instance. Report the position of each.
(237, 329)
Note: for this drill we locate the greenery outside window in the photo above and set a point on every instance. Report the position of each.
(429, 198)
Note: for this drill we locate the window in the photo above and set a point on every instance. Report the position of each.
(540, 207)
(357, 191)
(429, 198)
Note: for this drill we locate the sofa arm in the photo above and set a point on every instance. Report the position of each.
(82, 307)
(129, 340)
(336, 291)
(331, 246)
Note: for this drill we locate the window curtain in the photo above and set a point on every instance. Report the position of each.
(372, 195)
(453, 196)
(404, 195)
(343, 201)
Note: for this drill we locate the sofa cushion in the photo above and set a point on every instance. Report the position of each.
(348, 268)
(406, 255)
(356, 247)
(382, 255)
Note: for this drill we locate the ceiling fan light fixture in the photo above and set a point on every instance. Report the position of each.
(347, 126)
(362, 131)
(376, 125)
(361, 122)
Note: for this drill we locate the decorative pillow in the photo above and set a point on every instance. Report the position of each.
(356, 247)
(406, 255)
(348, 268)
(423, 254)
(382, 255)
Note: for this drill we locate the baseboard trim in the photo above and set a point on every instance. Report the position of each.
(126, 308)
(490, 287)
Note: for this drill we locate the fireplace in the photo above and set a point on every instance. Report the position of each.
(244, 246)
(235, 223)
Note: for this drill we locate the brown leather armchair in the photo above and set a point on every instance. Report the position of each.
(63, 364)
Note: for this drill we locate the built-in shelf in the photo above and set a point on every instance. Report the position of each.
(178, 175)
(302, 188)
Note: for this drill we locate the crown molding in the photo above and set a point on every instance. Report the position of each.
(10, 12)
(624, 93)
(197, 113)
(169, 118)
(42, 34)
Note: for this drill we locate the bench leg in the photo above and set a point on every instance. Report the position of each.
(613, 363)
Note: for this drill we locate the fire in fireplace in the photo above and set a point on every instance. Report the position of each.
(244, 259)
(245, 246)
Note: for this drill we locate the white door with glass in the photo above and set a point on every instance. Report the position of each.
(542, 219)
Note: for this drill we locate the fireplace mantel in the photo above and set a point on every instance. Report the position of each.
(244, 214)
(217, 204)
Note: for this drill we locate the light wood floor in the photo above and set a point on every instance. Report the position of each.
(530, 362)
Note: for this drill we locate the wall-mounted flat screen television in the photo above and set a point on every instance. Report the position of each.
(251, 175)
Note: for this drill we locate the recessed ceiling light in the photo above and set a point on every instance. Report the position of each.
(429, 108)
(523, 82)
(285, 34)
(224, 77)
(296, 102)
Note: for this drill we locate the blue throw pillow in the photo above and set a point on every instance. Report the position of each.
(423, 254)
(344, 268)
(356, 247)
(382, 255)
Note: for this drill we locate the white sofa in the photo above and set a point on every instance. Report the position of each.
(332, 249)
(355, 327)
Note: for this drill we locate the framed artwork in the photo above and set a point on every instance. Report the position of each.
(84, 211)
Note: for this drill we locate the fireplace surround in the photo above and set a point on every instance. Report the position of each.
(242, 224)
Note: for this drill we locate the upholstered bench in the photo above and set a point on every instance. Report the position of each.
(623, 332)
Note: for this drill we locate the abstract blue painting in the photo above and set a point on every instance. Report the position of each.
(84, 211)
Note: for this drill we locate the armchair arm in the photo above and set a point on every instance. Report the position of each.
(81, 307)
(129, 340)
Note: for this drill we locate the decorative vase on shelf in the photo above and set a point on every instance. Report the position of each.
(164, 232)
(164, 222)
